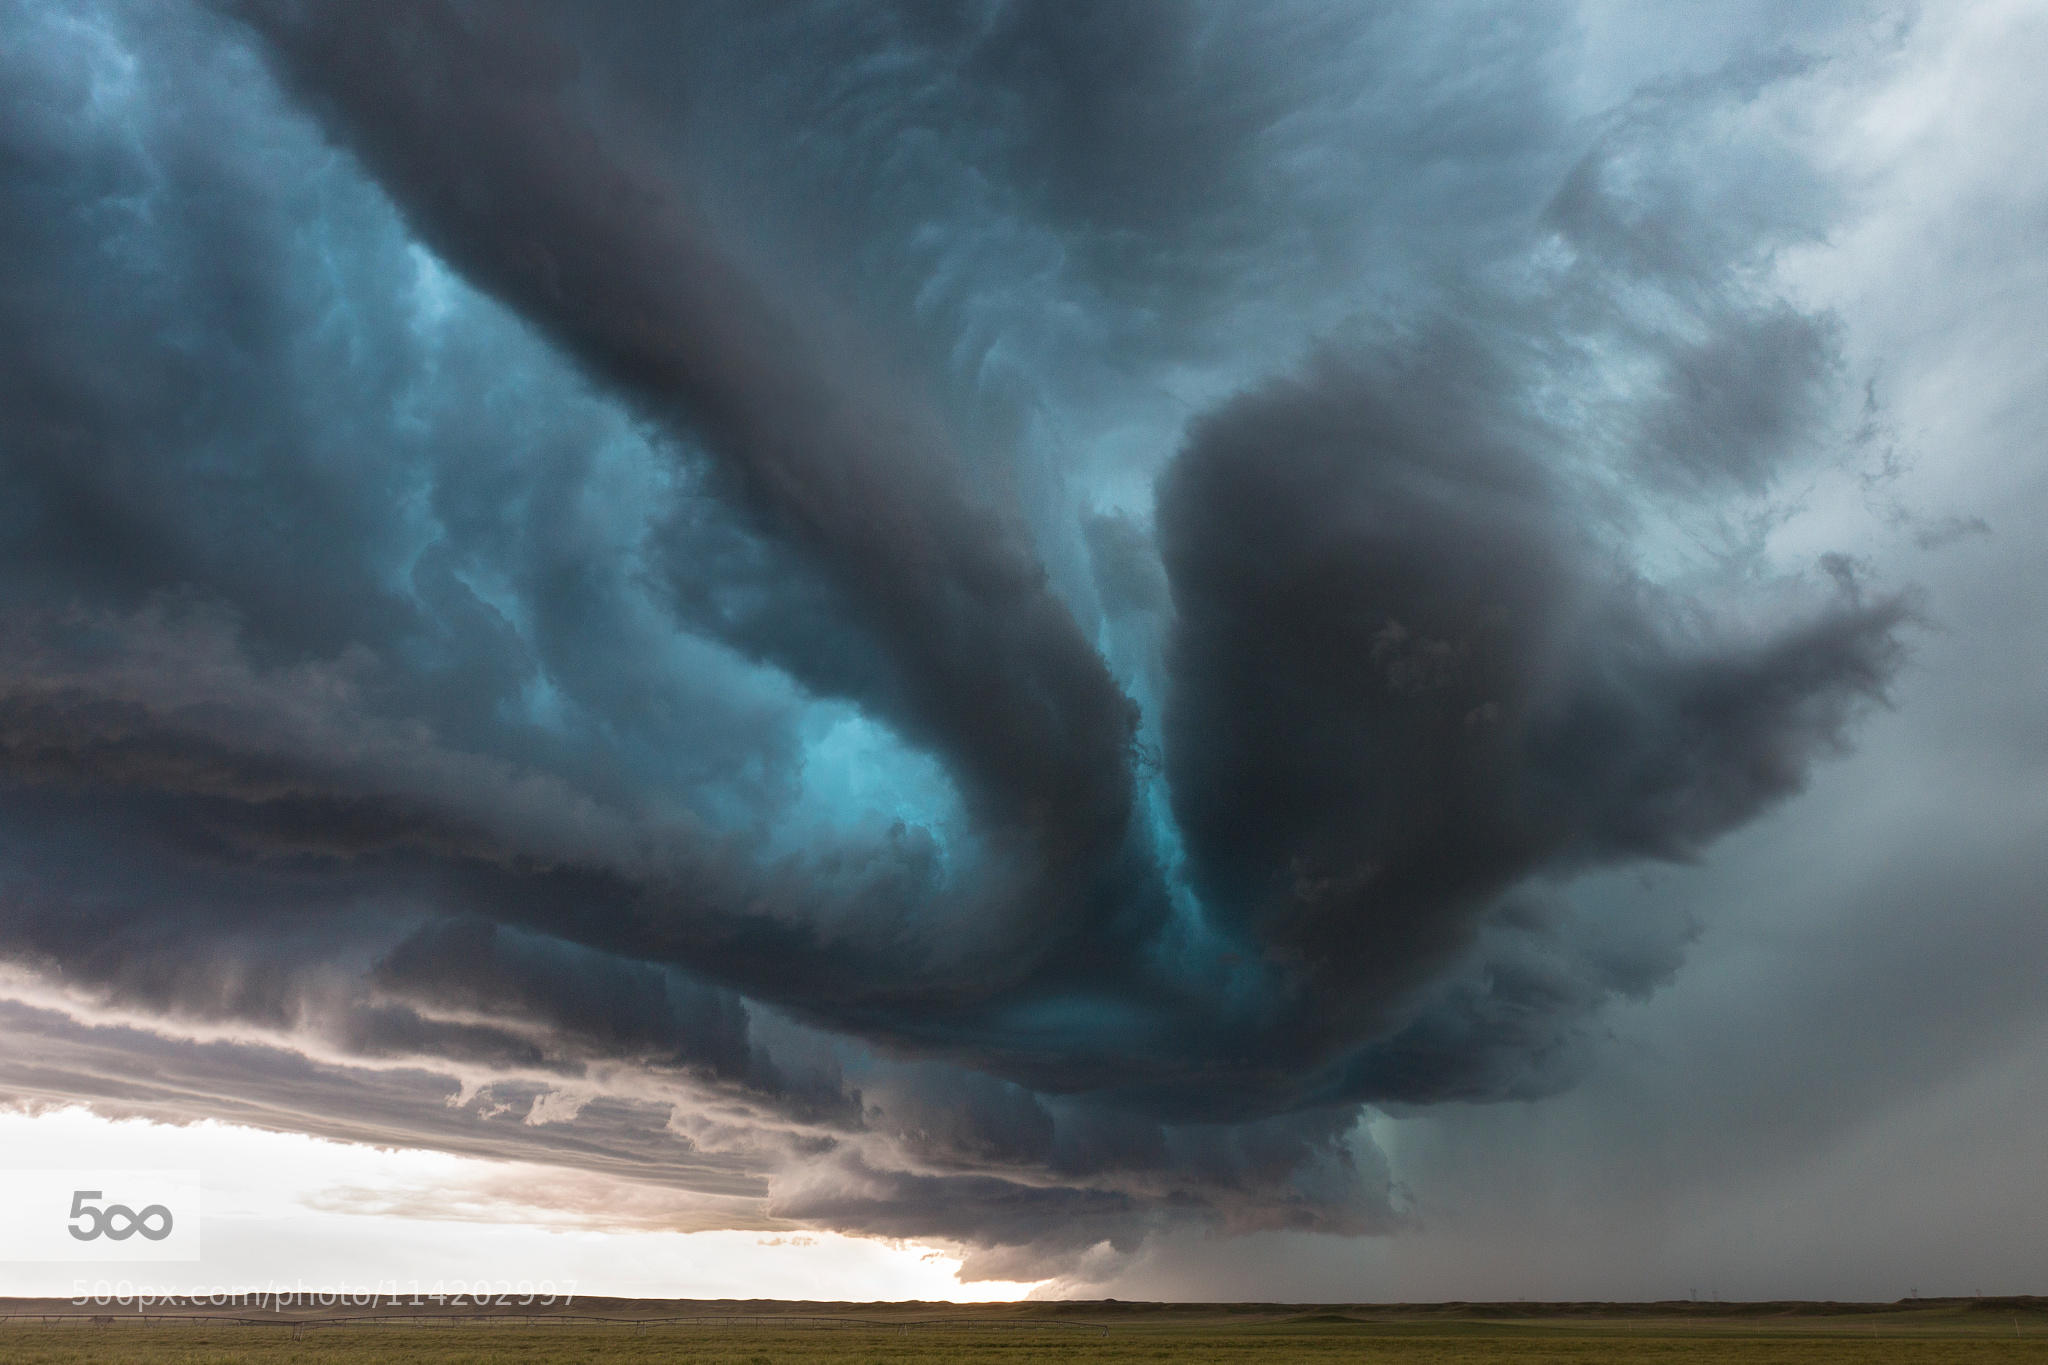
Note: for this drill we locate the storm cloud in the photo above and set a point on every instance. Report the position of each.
(983, 623)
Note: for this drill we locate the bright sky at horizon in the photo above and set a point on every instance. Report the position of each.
(283, 1212)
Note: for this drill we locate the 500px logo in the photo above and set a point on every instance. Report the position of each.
(99, 1215)
(117, 1221)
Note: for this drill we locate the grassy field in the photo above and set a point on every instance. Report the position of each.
(1928, 1334)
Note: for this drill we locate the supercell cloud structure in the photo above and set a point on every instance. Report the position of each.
(983, 623)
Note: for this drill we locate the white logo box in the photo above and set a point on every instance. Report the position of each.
(99, 1215)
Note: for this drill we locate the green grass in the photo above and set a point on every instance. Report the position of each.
(1308, 1337)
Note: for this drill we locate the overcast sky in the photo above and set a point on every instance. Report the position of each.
(1300, 651)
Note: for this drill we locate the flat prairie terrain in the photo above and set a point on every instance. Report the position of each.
(1921, 1332)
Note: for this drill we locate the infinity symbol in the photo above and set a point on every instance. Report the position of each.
(137, 1222)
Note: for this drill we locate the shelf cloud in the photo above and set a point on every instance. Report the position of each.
(986, 623)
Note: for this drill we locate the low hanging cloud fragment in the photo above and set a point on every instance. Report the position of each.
(1403, 683)
(493, 657)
